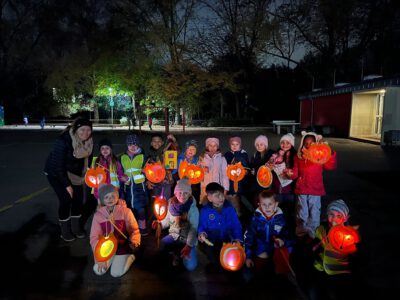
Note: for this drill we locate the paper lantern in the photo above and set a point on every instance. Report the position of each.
(154, 172)
(160, 207)
(182, 168)
(264, 177)
(344, 238)
(95, 176)
(318, 153)
(194, 173)
(232, 256)
(235, 173)
(105, 248)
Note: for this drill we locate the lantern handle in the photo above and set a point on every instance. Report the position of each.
(103, 167)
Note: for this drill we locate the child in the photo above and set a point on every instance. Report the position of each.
(260, 158)
(332, 262)
(266, 231)
(111, 165)
(135, 191)
(309, 187)
(237, 154)
(218, 223)
(182, 219)
(214, 165)
(114, 217)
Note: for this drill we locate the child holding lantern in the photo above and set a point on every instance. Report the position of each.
(182, 220)
(309, 186)
(113, 217)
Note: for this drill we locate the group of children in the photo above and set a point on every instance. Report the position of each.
(221, 206)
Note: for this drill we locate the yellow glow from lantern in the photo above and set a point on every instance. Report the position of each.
(157, 208)
(106, 248)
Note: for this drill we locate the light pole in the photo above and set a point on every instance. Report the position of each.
(111, 102)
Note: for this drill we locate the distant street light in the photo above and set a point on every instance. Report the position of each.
(111, 102)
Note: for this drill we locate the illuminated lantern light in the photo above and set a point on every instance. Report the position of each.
(344, 238)
(154, 172)
(318, 153)
(232, 256)
(95, 176)
(264, 177)
(235, 172)
(194, 173)
(182, 168)
(105, 248)
(160, 208)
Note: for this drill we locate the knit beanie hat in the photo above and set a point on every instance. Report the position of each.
(105, 189)
(212, 140)
(261, 139)
(339, 206)
(105, 142)
(317, 137)
(235, 139)
(191, 143)
(79, 122)
(288, 137)
(183, 185)
(132, 139)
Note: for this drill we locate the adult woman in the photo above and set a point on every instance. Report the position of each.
(65, 169)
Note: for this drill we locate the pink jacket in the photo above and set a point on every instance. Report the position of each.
(216, 165)
(123, 218)
(309, 175)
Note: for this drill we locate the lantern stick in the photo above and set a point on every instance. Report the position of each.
(208, 242)
(112, 223)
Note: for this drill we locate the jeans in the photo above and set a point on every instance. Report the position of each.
(308, 214)
(169, 244)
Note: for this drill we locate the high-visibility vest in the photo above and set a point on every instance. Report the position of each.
(133, 167)
(113, 173)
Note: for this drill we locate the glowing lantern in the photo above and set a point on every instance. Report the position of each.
(105, 248)
(194, 173)
(264, 176)
(344, 238)
(235, 173)
(160, 207)
(182, 168)
(232, 256)
(154, 172)
(318, 153)
(95, 176)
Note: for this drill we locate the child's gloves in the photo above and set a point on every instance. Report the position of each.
(185, 252)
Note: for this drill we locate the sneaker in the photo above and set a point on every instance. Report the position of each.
(143, 232)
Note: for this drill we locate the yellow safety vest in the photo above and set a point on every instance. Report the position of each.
(133, 167)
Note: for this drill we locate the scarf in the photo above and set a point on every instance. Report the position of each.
(180, 211)
(82, 149)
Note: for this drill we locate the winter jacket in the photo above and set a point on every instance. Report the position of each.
(233, 158)
(256, 162)
(259, 235)
(61, 159)
(223, 226)
(309, 175)
(188, 231)
(125, 221)
(216, 170)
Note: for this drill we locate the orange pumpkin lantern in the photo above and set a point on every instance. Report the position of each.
(154, 172)
(232, 256)
(182, 168)
(264, 177)
(160, 207)
(235, 173)
(105, 248)
(344, 238)
(194, 173)
(95, 176)
(318, 153)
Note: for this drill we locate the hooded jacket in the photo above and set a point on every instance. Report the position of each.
(216, 165)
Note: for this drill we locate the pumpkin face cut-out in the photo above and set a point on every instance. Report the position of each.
(232, 256)
(182, 168)
(105, 248)
(154, 172)
(235, 172)
(95, 176)
(344, 238)
(160, 208)
(318, 153)
(194, 173)
(264, 177)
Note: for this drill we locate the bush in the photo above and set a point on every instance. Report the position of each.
(123, 121)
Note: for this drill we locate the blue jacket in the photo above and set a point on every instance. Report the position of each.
(233, 158)
(221, 226)
(259, 235)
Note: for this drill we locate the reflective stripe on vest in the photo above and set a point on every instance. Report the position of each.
(113, 174)
(133, 167)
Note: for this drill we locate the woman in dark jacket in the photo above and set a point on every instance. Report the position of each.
(65, 169)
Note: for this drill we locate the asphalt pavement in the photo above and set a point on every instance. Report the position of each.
(38, 265)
